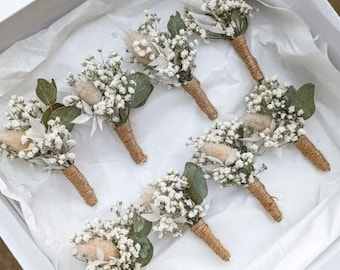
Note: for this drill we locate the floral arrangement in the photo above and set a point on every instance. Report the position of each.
(225, 154)
(169, 56)
(39, 132)
(176, 203)
(120, 244)
(223, 19)
(106, 93)
(277, 114)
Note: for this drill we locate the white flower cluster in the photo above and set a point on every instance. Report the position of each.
(49, 147)
(171, 208)
(171, 59)
(269, 98)
(116, 232)
(221, 18)
(108, 77)
(236, 168)
(21, 111)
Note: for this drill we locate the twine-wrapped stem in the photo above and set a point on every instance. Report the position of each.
(202, 230)
(258, 190)
(308, 149)
(240, 45)
(126, 135)
(195, 90)
(79, 181)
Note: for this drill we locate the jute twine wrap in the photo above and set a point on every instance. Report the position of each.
(308, 149)
(202, 230)
(194, 89)
(240, 45)
(79, 181)
(258, 190)
(126, 135)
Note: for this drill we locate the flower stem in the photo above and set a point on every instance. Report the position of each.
(308, 149)
(126, 135)
(258, 190)
(202, 230)
(79, 181)
(240, 45)
(194, 89)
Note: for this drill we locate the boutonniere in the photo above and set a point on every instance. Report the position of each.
(119, 244)
(226, 155)
(176, 203)
(224, 19)
(39, 132)
(169, 57)
(277, 115)
(107, 93)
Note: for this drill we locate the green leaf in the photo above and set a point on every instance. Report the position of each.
(175, 24)
(66, 115)
(198, 189)
(46, 91)
(304, 100)
(143, 89)
(290, 96)
(46, 115)
(141, 226)
(146, 251)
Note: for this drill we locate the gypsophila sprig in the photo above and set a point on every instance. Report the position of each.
(225, 154)
(171, 209)
(118, 245)
(285, 124)
(106, 93)
(169, 56)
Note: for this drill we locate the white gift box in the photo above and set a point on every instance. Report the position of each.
(38, 239)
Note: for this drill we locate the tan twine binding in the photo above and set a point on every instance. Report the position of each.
(126, 135)
(202, 230)
(79, 181)
(308, 149)
(258, 190)
(194, 89)
(240, 45)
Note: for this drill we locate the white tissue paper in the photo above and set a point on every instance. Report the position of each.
(308, 198)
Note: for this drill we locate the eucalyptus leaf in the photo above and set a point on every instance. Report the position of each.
(146, 251)
(141, 226)
(66, 115)
(176, 24)
(46, 92)
(290, 96)
(198, 189)
(304, 100)
(143, 89)
(46, 115)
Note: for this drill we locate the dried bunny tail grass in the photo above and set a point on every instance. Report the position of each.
(220, 151)
(90, 249)
(258, 190)
(308, 149)
(194, 89)
(126, 135)
(257, 122)
(240, 45)
(88, 92)
(141, 47)
(147, 195)
(79, 181)
(202, 230)
(12, 138)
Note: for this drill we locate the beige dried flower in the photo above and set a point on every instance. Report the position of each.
(90, 250)
(147, 195)
(220, 151)
(258, 122)
(88, 92)
(141, 47)
(12, 138)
